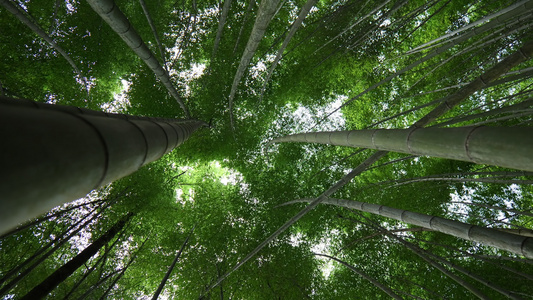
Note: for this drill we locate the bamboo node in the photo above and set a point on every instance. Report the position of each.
(467, 142)
(409, 139)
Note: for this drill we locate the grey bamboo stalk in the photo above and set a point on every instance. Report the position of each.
(221, 24)
(40, 32)
(515, 6)
(378, 284)
(154, 31)
(487, 236)
(80, 150)
(500, 146)
(474, 276)
(466, 253)
(266, 11)
(295, 25)
(112, 15)
(451, 176)
(167, 275)
(452, 179)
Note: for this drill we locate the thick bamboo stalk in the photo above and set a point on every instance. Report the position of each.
(506, 241)
(500, 146)
(112, 15)
(56, 154)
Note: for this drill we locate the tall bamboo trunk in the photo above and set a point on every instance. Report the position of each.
(264, 16)
(54, 154)
(111, 14)
(295, 25)
(52, 281)
(500, 146)
(521, 245)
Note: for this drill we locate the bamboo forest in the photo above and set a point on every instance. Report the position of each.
(266, 149)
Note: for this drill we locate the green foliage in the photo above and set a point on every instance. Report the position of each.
(228, 185)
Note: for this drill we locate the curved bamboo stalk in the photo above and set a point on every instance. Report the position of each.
(80, 150)
(40, 32)
(378, 284)
(266, 12)
(112, 15)
(487, 236)
(154, 31)
(295, 25)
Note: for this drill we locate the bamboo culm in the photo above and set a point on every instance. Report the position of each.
(503, 240)
(80, 150)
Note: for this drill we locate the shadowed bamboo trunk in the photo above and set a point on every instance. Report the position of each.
(47, 285)
(64, 152)
(514, 243)
(500, 146)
